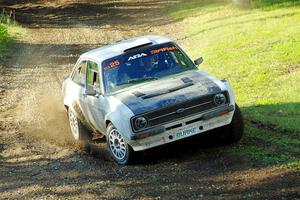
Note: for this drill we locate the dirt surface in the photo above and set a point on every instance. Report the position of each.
(37, 156)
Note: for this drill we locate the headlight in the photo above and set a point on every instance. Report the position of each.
(140, 123)
(219, 99)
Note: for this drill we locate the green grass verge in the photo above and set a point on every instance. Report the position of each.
(271, 4)
(4, 37)
(8, 32)
(258, 51)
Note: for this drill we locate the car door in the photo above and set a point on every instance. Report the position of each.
(76, 86)
(94, 103)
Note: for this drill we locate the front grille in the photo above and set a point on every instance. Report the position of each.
(170, 113)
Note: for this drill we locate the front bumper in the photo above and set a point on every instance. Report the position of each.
(183, 128)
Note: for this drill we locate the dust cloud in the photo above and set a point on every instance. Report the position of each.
(43, 116)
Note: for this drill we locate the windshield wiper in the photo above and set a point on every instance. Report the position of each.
(137, 80)
(134, 80)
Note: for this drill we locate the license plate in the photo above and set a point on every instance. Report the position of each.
(185, 132)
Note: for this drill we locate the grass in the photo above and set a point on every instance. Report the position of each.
(270, 4)
(271, 147)
(4, 37)
(258, 51)
(7, 33)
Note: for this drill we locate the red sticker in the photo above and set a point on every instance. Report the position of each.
(113, 64)
(156, 51)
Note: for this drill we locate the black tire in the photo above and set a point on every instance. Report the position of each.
(235, 130)
(120, 151)
(83, 136)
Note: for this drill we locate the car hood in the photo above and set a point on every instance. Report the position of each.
(167, 91)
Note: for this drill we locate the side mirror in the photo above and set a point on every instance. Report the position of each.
(96, 88)
(198, 61)
(90, 92)
(66, 77)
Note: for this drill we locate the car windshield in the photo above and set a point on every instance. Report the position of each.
(146, 64)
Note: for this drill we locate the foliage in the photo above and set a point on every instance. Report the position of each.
(4, 37)
(9, 29)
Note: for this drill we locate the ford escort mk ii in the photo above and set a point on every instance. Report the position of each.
(145, 92)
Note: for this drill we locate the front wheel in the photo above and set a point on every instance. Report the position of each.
(119, 150)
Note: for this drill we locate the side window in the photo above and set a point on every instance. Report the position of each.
(92, 75)
(79, 74)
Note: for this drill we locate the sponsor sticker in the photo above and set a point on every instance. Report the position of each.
(139, 55)
(186, 132)
(156, 51)
(113, 64)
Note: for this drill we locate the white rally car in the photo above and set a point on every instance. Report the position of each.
(145, 92)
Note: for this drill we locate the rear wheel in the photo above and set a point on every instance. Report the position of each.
(79, 132)
(235, 130)
(119, 150)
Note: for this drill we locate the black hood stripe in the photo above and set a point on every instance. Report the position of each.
(134, 100)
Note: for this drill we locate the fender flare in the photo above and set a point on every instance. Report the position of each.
(123, 125)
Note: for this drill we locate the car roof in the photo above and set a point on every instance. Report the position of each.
(108, 51)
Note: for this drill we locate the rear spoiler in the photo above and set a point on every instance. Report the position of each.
(136, 47)
(138, 43)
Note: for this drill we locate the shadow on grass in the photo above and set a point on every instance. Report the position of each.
(275, 117)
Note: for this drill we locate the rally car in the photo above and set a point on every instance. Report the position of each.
(145, 92)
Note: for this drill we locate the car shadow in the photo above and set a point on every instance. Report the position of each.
(182, 150)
